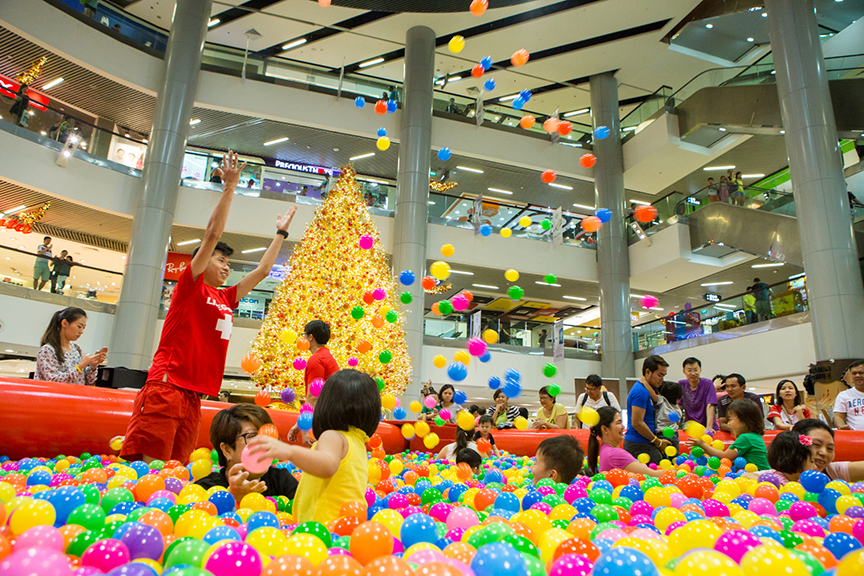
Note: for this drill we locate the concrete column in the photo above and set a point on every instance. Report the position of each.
(138, 309)
(613, 258)
(412, 210)
(834, 287)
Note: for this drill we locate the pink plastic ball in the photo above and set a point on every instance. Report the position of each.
(36, 561)
(808, 527)
(353, 361)
(541, 507)
(613, 534)
(674, 526)
(571, 565)
(306, 408)
(339, 552)
(315, 387)
(641, 507)
(676, 499)
(801, 511)
(410, 510)
(379, 294)
(366, 242)
(460, 302)
(234, 559)
(397, 546)
(858, 531)
(762, 507)
(546, 490)
(715, 508)
(445, 414)
(299, 364)
(736, 544)
(251, 463)
(574, 492)
(455, 534)
(462, 517)
(649, 301)
(162, 494)
(370, 496)
(426, 556)
(87, 571)
(106, 555)
(430, 402)
(398, 501)
(641, 519)
(398, 402)
(646, 534)
(439, 511)
(476, 347)
(41, 537)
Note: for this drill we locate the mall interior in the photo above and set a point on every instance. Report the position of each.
(689, 91)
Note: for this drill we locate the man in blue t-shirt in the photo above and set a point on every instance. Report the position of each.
(640, 437)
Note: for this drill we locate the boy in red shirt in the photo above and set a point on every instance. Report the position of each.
(320, 365)
(190, 360)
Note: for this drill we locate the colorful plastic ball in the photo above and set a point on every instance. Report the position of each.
(37, 562)
(444, 154)
(587, 160)
(550, 279)
(447, 250)
(304, 422)
(497, 558)
(565, 127)
(604, 214)
(520, 423)
(430, 402)
(813, 481)
(460, 302)
(525, 221)
(106, 555)
(548, 176)
(840, 544)
(527, 122)
(518, 103)
(601, 132)
(486, 62)
(392, 106)
(550, 125)
(591, 224)
(439, 361)
(299, 364)
(589, 416)
(234, 559)
(440, 270)
(251, 461)
(476, 347)
(511, 275)
(490, 336)
(478, 8)
(383, 143)
(515, 292)
(494, 382)
(648, 301)
(477, 71)
(385, 356)
(30, 514)
(406, 297)
(519, 58)
(40, 537)
(457, 371)
(512, 389)
(406, 277)
(645, 214)
(485, 230)
(366, 242)
(381, 107)
(456, 44)
(489, 85)
(550, 370)
(359, 102)
(445, 307)
(381, 132)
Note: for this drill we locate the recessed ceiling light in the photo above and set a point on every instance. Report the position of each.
(16, 209)
(187, 242)
(431, 202)
(752, 176)
(750, 39)
(500, 191)
(717, 168)
(470, 169)
(294, 44)
(369, 155)
(764, 14)
(732, 306)
(771, 265)
(782, 131)
(562, 186)
(10, 351)
(194, 122)
(506, 98)
(709, 26)
(716, 284)
(484, 286)
(213, 22)
(370, 62)
(577, 112)
(52, 84)
(721, 129)
(575, 298)
(632, 201)
(454, 79)
(253, 250)
(584, 207)
(462, 272)
(636, 296)
(541, 283)
(277, 141)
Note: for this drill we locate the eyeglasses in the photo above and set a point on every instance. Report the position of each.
(246, 437)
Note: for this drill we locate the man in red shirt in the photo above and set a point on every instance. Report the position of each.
(320, 365)
(190, 360)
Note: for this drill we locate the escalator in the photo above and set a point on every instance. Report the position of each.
(720, 229)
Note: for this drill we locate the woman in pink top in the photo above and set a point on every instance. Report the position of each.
(823, 451)
(610, 430)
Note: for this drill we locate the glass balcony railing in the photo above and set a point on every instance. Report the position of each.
(61, 274)
(780, 299)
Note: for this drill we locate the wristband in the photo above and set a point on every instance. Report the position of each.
(282, 233)
(78, 368)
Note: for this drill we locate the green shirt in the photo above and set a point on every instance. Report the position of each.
(751, 447)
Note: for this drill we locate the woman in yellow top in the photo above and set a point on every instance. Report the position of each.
(335, 470)
(552, 415)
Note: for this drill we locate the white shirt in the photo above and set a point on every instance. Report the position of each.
(451, 449)
(851, 403)
(596, 404)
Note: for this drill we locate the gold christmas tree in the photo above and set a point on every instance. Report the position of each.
(331, 278)
(34, 72)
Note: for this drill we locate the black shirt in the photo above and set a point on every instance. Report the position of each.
(723, 403)
(477, 436)
(279, 482)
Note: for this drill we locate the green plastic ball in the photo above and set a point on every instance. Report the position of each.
(714, 462)
(391, 316)
(406, 297)
(81, 542)
(380, 382)
(697, 452)
(553, 389)
(189, 552)
(90, 516)
(515, 293)
(385, 356)
(357, 312)
(522, 544)
(668, 432)
(445, 307)
(315, 529)
(550, 370)
(546, 224)
(550, 279)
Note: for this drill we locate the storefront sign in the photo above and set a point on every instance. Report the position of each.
(300, 167)
(711, 297)
(9, 88)
(176, 264)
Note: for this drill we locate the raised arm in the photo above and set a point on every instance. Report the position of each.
(229, 171)
(266, 264)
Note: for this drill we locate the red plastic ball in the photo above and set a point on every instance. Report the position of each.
(548, 176)
(587, 160)
(477, 71)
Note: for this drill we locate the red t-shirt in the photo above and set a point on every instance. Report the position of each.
(195, 336)
(320, 365)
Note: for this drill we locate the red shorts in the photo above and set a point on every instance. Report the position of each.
(164, 423)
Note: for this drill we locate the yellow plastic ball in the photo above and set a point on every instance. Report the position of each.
(589, 416)
(506, 232)
(771, 561)
(490, 336)
(63, 464)
(668, 516)
(374, 471)
(643, 458)
(187, 521)
(563, 512)
(666, 464)
(520, 423)
(694, 534)
(308, 546)
(550, 540)
(701, 562)
(421, 428)
(840, 487)
(671, 451)
(383, 143)
(388, 401)
(745, 518)
(244, 513)
(192, 493)
(431, 440)
(511, 275)
(115, 518)
(418, 547)
(201, 468)
(694, 429)
(198, 454)
(845, 502)
(750, 467)
(257, 502)
(408, 431)
(718, 445)
(287, 337)
(30, 514)
(439, 361)
(462, 356)
(656, 550)
(447, 250)
(396, 467)
(465, 420)
(115, 445)
(456, 44)
(415, 407)
(440, 270)
(268, 541)
(390, 519)
(524, 221)
(793, 488)
(852, 564)
(534, 519)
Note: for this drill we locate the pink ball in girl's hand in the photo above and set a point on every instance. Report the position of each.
(430, 402)
(315, 387)
(366, 242)
(250, 462)
(352, 361)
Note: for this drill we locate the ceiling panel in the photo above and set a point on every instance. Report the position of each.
(347, 48)
(272, 30)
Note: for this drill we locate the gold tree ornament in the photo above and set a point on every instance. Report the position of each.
(331, 273)
(34, 71)
(35, 215)
(436, 186)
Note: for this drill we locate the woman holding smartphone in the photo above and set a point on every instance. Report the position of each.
(60, 359)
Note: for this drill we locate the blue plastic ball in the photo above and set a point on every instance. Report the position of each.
(740, 462)
(485, 230)
(813, 481)
(262, 519)
(406, 277)
(674, 417)
(486, 62)
(444, 154)
(489, 85)
(497, 558)
(512, 375)
(624, 562)
(223, 501)
(399, 413)
(512, 389)
(494, 383)
(840, 544)
(457, 371)
(359, 102)
(220, 533)
(605, 215)
(459, 397)
(601, 132)
(518, 103)
(525, 95)
(507, 501)
(418, 528)
(392, 106)
(381, 132)
(485, 357)
(304, 421)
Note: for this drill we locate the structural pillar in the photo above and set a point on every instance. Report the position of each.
(834, 287)
(138, 308)
(412, 210)
(613, 257)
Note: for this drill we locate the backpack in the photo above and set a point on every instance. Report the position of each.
(605, 398)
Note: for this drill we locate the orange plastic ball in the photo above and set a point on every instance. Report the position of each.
(381, 107)
(484, 498)
(364, 347)
(478, 7)
(581, 528)
(477, 71)
(353, 508)
(548, 176)
(262, 398)
(551, 125)
(461, 551)
(527, 121)
(377, 321)
(591, 224)
(645, 214)
(484, 446)
(147, 485)
(520, 57)
(250, 363)
(468, 295)
(388, 566)
(289, 565)
(580, 546)
(428, 283)
(587, 160)
(435, 309)
(159, 520)
(565, 127)
(369, 541)
(302, 344)
(269, 430)
(338, 566)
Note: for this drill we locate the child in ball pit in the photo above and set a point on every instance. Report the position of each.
(486, 423)
(335, 470)
(790, 455)
(559, 458)
(745, 419)
(230, 432)
(471, 458)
